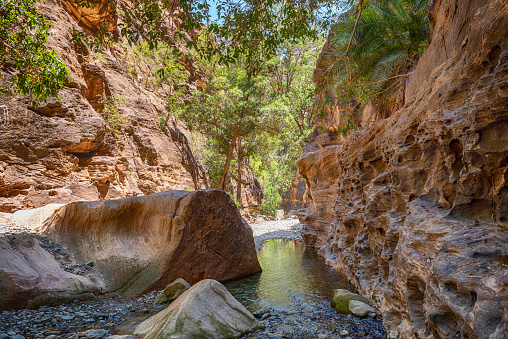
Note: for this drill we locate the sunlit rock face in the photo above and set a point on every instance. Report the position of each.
(66, 150)
(414, 210)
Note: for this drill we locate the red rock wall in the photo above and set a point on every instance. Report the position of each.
(63, 150)
(414, 210)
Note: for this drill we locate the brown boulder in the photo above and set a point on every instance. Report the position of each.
(31, 277)
(143, 243)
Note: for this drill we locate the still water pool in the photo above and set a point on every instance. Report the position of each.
(293, 293)
(292, 274)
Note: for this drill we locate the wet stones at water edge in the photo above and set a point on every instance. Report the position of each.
(172, 291)
(206, 310)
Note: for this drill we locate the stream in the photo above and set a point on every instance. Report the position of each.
(292, 296)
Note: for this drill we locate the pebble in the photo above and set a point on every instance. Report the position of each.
(73, 320)
(344, 333)
(97, 334)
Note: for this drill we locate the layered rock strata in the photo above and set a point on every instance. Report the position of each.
(414, 209)
(143, 243)
(101, 139)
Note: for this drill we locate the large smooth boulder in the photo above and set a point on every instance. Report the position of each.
(31, 277)
(206, 310)
(143, 243)
(340, 300)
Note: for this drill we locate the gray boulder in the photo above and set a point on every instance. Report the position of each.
(206, 310)
(360, 309)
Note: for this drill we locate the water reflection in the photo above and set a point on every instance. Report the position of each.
(292, 274)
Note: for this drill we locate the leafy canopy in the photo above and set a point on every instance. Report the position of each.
(371, 53)
(32, 68)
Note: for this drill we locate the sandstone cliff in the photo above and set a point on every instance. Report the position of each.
(414, 208)
(67, 150)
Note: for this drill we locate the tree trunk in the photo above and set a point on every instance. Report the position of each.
(239, 179)
(232, 146)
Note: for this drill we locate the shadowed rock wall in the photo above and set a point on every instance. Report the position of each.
(414, 210)
(66, 149)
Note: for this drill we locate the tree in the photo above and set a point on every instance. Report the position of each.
(32, 69)
(374, 49)
(227, 111)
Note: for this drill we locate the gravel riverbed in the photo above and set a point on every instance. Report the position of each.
(100, 318)
(276, 229)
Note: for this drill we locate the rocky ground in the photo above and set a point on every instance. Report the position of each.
(315, 321)
(110, 315)
(276, 229)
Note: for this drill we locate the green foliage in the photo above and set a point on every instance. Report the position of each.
(230, 102)
(35, 70)
(272, 202)
(115, 119)
(158, 66)
(387, 41)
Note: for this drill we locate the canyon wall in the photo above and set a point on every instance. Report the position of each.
(67, 149)
(414, 207)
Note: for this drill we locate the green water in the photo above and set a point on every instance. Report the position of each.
(292, 276)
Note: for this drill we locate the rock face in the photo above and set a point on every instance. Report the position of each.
(30, 276)
(414, 209)
(68, 149)
(207, 310)
(293, 198)
(139, 244)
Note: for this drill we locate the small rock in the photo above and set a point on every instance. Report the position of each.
(344, 333)
(97, 334)
(144, 311)
(90, 263)
(172, 291)
(341, 298)
(89, 320)
(265, 316)
(67, 317)
(261, 312)
(18, 336)
(101, 315)
(322, 336)
(11, 333)
(4, 336)
(360, 309)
